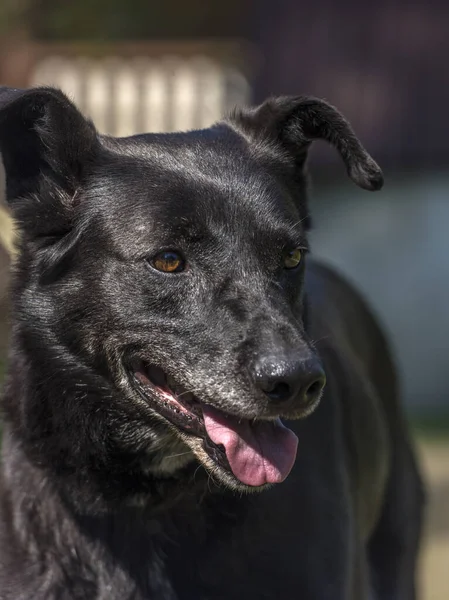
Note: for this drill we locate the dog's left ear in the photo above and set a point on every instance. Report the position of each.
(42, 135)
(295, 122)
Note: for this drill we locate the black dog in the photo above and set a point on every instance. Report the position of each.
(165, 316)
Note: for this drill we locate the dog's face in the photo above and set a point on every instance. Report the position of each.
(172, 266)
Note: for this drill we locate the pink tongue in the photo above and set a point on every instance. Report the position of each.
(258, 453)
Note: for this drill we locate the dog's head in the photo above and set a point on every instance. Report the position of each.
(171, 267)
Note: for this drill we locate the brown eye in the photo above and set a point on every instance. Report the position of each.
(292, 258)
(168, 262)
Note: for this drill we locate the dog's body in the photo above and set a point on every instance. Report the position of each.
(104, 494)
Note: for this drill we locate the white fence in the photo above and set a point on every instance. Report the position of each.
(124, 96)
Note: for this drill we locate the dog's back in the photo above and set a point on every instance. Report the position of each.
(376, 433)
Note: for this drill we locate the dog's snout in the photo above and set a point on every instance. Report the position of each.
(285, 380)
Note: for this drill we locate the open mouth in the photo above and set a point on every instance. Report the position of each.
(255, 452)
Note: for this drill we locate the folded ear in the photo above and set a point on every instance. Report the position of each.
(295, 122)
(42, 136)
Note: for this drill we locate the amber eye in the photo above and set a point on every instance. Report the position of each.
(292, 258)
(168, 261)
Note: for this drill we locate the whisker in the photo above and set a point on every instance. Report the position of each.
(317, 341)
(180, 454)
(196, 471)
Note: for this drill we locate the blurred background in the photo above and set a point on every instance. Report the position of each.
(143, 65)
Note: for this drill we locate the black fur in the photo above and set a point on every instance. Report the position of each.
(101, 497)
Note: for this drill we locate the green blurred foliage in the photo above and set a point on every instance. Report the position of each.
(115, 19)
(13, 14)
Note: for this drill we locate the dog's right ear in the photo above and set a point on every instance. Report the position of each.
(43, 136)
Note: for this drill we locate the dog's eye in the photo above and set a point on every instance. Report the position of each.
(168, 261)
(292, 258)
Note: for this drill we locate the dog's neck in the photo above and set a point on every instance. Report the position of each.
(126, 544)
(129, 543)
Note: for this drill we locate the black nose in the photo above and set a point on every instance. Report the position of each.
(283, 380)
